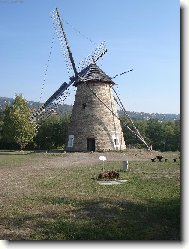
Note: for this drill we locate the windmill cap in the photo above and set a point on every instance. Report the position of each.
(93, 73)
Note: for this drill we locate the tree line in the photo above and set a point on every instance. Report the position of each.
(17, 132)
(163, 136)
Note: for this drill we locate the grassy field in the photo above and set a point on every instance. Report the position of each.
(68, 204)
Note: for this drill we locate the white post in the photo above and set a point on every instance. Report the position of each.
(125, 165)
(102, 158)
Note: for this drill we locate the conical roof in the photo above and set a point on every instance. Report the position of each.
(93, 73)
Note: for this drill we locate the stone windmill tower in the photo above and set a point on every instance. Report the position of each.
(94, 123)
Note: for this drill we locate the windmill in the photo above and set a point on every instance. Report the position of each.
(95, 124)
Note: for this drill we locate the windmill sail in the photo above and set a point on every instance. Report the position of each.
(60, 94)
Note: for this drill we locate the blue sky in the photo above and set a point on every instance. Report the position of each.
(140, 34)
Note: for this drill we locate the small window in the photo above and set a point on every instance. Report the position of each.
(116, 141)
(84, 105)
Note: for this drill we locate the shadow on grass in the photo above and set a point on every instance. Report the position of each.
(99, 220)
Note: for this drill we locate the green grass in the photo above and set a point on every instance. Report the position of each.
(69, 205)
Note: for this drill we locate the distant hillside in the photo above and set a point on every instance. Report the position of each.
(68, 108)
(61, 109)
(147, 116)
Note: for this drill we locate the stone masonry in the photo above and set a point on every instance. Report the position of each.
(93, 126)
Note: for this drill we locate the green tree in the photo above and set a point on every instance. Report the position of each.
(131, 138)
(164, 136)
(156, 134)
(177, 138)
(16, 125)
(1, 115)
(52, 133)
(172, 135)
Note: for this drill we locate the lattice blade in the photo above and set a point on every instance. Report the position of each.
(93, 57)
(58, 25)
(59, 96)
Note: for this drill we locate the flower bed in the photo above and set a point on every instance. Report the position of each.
(108, 175)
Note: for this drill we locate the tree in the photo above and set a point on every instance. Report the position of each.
(130, 138)
(53, 132)
(164, 136)
(156, 135)
(1, 115)
(16, 125)
(177, 137)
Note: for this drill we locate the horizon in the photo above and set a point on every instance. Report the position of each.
(140, 35)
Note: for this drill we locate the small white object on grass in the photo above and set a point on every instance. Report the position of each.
(102, 158)
(108, 182)
(122, 181)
